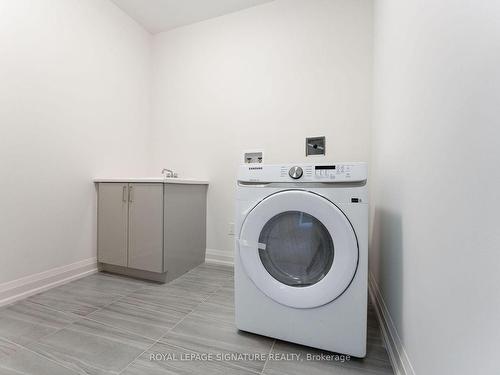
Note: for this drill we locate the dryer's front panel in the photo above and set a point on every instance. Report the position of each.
(298, 248)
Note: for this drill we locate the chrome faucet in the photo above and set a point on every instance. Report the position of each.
(169, 173)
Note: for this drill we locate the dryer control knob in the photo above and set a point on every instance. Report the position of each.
(295, 172)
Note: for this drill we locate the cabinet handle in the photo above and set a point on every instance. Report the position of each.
(124, 193)
(130, 194)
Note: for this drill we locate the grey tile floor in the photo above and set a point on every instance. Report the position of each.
(108, 324)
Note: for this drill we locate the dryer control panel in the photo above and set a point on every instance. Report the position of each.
(333, 172)
(327, 173)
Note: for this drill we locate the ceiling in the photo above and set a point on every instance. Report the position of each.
(162, 15)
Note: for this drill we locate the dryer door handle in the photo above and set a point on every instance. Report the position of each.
(255, 245)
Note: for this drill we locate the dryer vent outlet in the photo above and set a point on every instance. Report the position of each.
(315, 146)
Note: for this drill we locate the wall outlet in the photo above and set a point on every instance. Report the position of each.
(231, 229)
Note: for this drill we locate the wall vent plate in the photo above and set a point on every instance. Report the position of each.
(253, 157)
(315, 146)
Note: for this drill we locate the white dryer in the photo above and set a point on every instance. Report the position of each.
(301, 254)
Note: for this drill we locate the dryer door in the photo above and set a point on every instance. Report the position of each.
(298, 248)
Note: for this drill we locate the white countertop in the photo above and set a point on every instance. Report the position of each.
(162, 180)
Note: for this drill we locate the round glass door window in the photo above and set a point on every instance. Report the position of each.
(296, 248)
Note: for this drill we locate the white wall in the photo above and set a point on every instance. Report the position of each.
(74, 103)
(436, 233)
(263, 78)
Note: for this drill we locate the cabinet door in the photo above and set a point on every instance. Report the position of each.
(112, 216)
(145, 247)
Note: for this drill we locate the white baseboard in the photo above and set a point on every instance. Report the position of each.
(220, 257)
(16, 290)
(397, 353)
